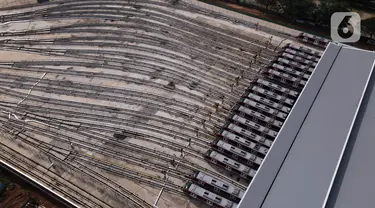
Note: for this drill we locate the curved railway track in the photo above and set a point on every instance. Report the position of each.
(104, 165)
(184, 163)
(127, 73)
(88, 106)
(42, 66)
(22, 163)
(142, 7)
(73, 53)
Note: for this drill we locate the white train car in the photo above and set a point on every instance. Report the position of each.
(235, 152)
(313, 39)
(271, 85)
(301, 54)
(269, 102)
(295, 64)
(286, 77)
(325, 40)
(218, 185)
(210, 198)
(254, 125)
(259, 116)
(273, 95)
(250, 135)
(264, 108)
(230, 165)
(242, 142)
(299, 59)
(304, 49)
(290, 71)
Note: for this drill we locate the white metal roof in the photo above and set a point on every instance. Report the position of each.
(323, 154)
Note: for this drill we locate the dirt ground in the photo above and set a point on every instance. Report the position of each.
(16, 196)
(10, 3)
(18, 193)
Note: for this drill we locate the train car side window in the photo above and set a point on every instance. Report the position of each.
(253, 157)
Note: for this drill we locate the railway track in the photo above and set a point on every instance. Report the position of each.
(128, 158)
(96, 177)
(23, 164)
(37, 67)
(215, 92)
(95, 127)
(189, 164)
(145, 9)
(45, 102)
(71, 53)
(109, 125)
(146, 14)
(183, 163)
(105, 165)
(171, 172)
(140, 136)
(97, 92)
(106, 42)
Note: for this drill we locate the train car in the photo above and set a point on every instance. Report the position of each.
(218, 185)
(264, 108)
(291, 71)
(273, 95)
(293, 64)
(237, 153)
(259, 116)
(284, 76)
(300, 54)
(269, 102)
(278, 77)
(304, 49)
(313, 39)
(272, 85)
(242, 142)
(297, 59)
(230, 165)
(210, 198)
(249, 135)
(253, 125)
